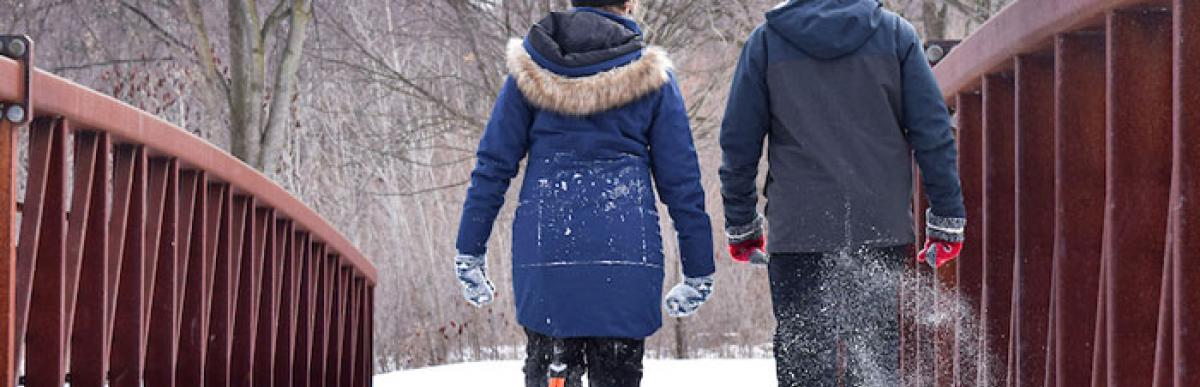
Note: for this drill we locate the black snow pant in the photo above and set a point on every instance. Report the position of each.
(838, 317)
(608, 362)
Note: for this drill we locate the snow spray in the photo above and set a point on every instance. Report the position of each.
(862, 292)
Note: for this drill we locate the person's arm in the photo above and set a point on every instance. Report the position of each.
(747, 119)
(676, 170)
(504, 144)
(929, 131)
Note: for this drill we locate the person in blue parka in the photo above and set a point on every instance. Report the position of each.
(602, 125)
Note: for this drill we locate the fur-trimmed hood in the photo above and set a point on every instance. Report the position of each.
(591, 94)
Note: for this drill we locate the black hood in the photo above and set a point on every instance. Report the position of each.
(583, 38)
(826, 29)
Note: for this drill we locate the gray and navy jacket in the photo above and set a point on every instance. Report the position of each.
(845, 98)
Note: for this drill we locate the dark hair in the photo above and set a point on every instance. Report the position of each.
(615, 8)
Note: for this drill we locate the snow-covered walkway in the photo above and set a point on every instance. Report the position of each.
(658, 373)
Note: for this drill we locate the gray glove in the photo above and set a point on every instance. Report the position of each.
(472, 274)
(685, 298)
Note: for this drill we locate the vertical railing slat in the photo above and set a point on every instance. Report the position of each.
(162, 230)
(1137, 186)
(287, 308)
(304, 314)
(1186, 194)
(268, 304)
(970, 264)
(1079, 200)
(87, 245)
(40, 145)
(337, 315)
(998, 226)
(350, 337)
(128, 297)
(220, 325)
(321, 317)
(46, 345)
(369, 340)
(246, 315)
(1033, 241)
(192, 340)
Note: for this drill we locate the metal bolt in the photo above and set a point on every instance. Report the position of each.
(935, 53)
(15, 113)
(16, 48)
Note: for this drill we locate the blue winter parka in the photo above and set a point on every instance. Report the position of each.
(602, 125)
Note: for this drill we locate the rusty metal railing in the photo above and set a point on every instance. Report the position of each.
(1078, 125)
(158, 259)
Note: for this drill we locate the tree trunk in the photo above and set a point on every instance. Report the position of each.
(933, 17)
(681, 347)
(285, 85)
(246, 70)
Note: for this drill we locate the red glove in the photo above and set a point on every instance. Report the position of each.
(944, 240)
(747, 244)
(750, 250)
(938, 253)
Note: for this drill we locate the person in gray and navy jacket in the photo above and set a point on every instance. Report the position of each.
(601, 122)
(841, 92)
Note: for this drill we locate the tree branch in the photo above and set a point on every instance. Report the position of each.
(974, 13)
(110, 62)
(423, 190)
(166, 35)
(281, 10)
(204, 46)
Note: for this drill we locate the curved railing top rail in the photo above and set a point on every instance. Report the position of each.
(93, 110)
(1020, 28)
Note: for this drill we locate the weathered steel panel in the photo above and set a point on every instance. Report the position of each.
(46, 345)
(1034, 239)
(998, 225)
(1137, 186)
(1185, 200)
(127, 284)
(87, 263)
(162, 229)
(1079, 200)
(970, 264)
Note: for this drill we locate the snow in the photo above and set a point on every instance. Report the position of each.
(691, 373)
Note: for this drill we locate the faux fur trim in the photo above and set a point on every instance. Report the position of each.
(592, 94)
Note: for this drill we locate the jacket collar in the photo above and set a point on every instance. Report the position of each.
(580, 96)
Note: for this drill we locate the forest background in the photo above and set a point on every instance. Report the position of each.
(369, 111)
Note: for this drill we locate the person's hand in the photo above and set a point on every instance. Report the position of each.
(943, 240)
(685, 298)
(472, 274)
(748, 243)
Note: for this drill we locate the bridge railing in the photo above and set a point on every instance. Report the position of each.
(1078, 123)
(141, 255)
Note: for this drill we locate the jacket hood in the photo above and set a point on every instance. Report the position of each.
(585, 62)
(826, 29)
(584, 41)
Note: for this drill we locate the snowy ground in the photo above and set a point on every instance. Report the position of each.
(691, 373)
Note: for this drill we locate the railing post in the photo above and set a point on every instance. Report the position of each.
(14, 117)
